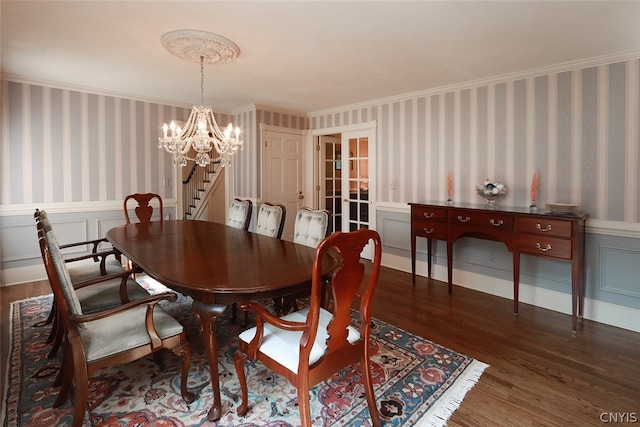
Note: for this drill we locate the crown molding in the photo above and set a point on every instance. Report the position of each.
(93, 91)
(536, 72)
(279, 110)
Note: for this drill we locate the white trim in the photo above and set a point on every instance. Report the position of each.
(70, 207)
(94, 91)
(370, 125)
(598, 311)
(558, 68)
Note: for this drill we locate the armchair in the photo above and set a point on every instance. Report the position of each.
(310, 345)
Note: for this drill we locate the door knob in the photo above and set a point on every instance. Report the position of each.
(300, 195)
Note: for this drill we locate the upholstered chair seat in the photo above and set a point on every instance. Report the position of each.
(125, 330)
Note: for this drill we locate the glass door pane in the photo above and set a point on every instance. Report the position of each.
(358, 183)
(332, 167)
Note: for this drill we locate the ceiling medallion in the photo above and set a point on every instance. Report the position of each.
(192, 45)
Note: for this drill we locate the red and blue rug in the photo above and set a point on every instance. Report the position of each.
(417, 382)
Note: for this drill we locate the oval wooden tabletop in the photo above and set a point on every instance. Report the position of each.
(200, 257)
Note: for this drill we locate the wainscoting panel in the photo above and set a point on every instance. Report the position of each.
(16, 244)
(613, 261)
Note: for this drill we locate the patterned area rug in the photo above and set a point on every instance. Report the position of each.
(417, 382)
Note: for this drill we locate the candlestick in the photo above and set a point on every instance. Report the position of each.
(449, 187)
(534, 193)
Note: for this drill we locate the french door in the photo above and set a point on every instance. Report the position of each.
(346, 179)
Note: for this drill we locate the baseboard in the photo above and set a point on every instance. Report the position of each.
(598, 311)
(18, 276)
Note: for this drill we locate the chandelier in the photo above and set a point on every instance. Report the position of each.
(201, 132)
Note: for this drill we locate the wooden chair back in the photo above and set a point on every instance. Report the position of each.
(143, 209)
(270, 220)
(343, 339)
(239, 215)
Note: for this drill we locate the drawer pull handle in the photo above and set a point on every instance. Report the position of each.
(465, 219)
(429, 215)
(496, 223)
(540, 248)
(545, 229)
(429, 230)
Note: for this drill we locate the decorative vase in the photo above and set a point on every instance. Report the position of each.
(491, 191)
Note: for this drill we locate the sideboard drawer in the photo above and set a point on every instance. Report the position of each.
(543, 226)
(544, 246)
(430, 229)
(431, 213)
(489, 220)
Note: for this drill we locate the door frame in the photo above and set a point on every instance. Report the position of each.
(371, 127)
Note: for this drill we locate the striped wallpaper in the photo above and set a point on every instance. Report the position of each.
(578, 130)
(61, 145)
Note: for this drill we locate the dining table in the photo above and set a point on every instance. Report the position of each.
(216, 265)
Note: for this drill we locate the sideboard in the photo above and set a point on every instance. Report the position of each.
(539, 233)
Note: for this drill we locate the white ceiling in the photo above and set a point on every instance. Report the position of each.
(304, 55)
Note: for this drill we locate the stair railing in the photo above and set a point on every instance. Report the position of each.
(195, 185)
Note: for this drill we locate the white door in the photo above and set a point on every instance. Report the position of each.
(282, 176)
(346, 179)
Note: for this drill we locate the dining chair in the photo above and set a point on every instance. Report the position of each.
(108, 292)
(310, 228)
(312, 344)
(271, 220)
(143, 209)
(108, 258)
(239, 215)
(109, 337)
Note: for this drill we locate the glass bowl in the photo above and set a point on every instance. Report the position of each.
(491, 191)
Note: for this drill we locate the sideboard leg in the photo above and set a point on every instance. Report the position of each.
(516, 281)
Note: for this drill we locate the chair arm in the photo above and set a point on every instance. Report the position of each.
(93, 255)
(265, 316)
(151, 301)
(124, 276)
(94, 242)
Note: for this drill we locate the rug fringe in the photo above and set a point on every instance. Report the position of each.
(451, 400)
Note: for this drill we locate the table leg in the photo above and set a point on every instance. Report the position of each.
(208, 315)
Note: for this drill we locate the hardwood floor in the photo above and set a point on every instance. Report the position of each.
(540, 374)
